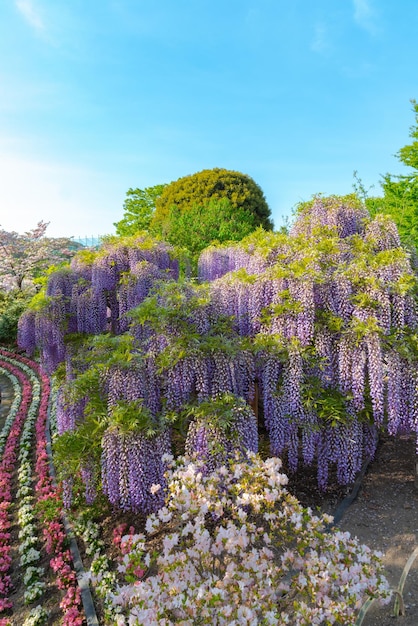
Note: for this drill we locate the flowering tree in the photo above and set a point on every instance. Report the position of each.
(24, 257)
(321, 320)
(333, 312)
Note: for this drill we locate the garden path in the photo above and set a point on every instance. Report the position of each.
(384, 516)
(6, 391)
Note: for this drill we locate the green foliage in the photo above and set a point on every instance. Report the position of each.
(220, 412)
(101, 351)
(326, 319)
(405, 342)
(198, 189)
(12, 305)
(363, 272)
(86, 257)
(139, 208)
(91, 357)
(286, 305)
(408, 155)
(329, 404)
(265, 243)
(170, 307)
(400, 192)
(75, 448)
(218, 221)
(170, 311)
(129, 417)
(48, 509)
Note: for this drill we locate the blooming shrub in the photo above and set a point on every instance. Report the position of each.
(36, 617)
(236, 548)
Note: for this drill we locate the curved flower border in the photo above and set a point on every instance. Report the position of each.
(53, 529)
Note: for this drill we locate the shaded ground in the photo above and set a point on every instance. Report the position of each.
(385, 517)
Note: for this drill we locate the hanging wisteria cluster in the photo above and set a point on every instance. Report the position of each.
(194, 348)
(254, 254)
(335, 317)
(221, 427)
(133, 469)
(182, 351)
(319, 322)
(94, 293)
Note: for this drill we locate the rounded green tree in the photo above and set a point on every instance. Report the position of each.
(207, 186)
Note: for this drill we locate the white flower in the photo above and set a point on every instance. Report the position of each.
(152, 524)
(31, 556)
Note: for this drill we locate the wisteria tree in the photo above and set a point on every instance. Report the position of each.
(321, 321)
(332, 310)
(24, 257)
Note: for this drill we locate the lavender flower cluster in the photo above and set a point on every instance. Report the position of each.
(93, 295)
(346, 218)
(131, 464)
(213, 444)
(339, 303)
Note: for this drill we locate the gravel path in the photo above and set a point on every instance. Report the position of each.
(385, 517)
(6, 391)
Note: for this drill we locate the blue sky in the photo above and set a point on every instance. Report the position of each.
(97, 96)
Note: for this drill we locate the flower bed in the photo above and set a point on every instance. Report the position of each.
(12, 431)
(41, 523)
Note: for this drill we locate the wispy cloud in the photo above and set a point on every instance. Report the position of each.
(365, 15)
(30, 13)
(320, 42)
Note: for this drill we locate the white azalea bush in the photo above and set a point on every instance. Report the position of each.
(234, 547)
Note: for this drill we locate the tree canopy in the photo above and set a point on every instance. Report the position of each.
(201, 225)
(139, 208)
(400, 199)
(210, 185)
(323, 319)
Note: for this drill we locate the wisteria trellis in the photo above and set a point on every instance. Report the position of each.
(322, 320)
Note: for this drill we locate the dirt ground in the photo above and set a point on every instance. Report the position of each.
(381, 509)
(384, 516)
